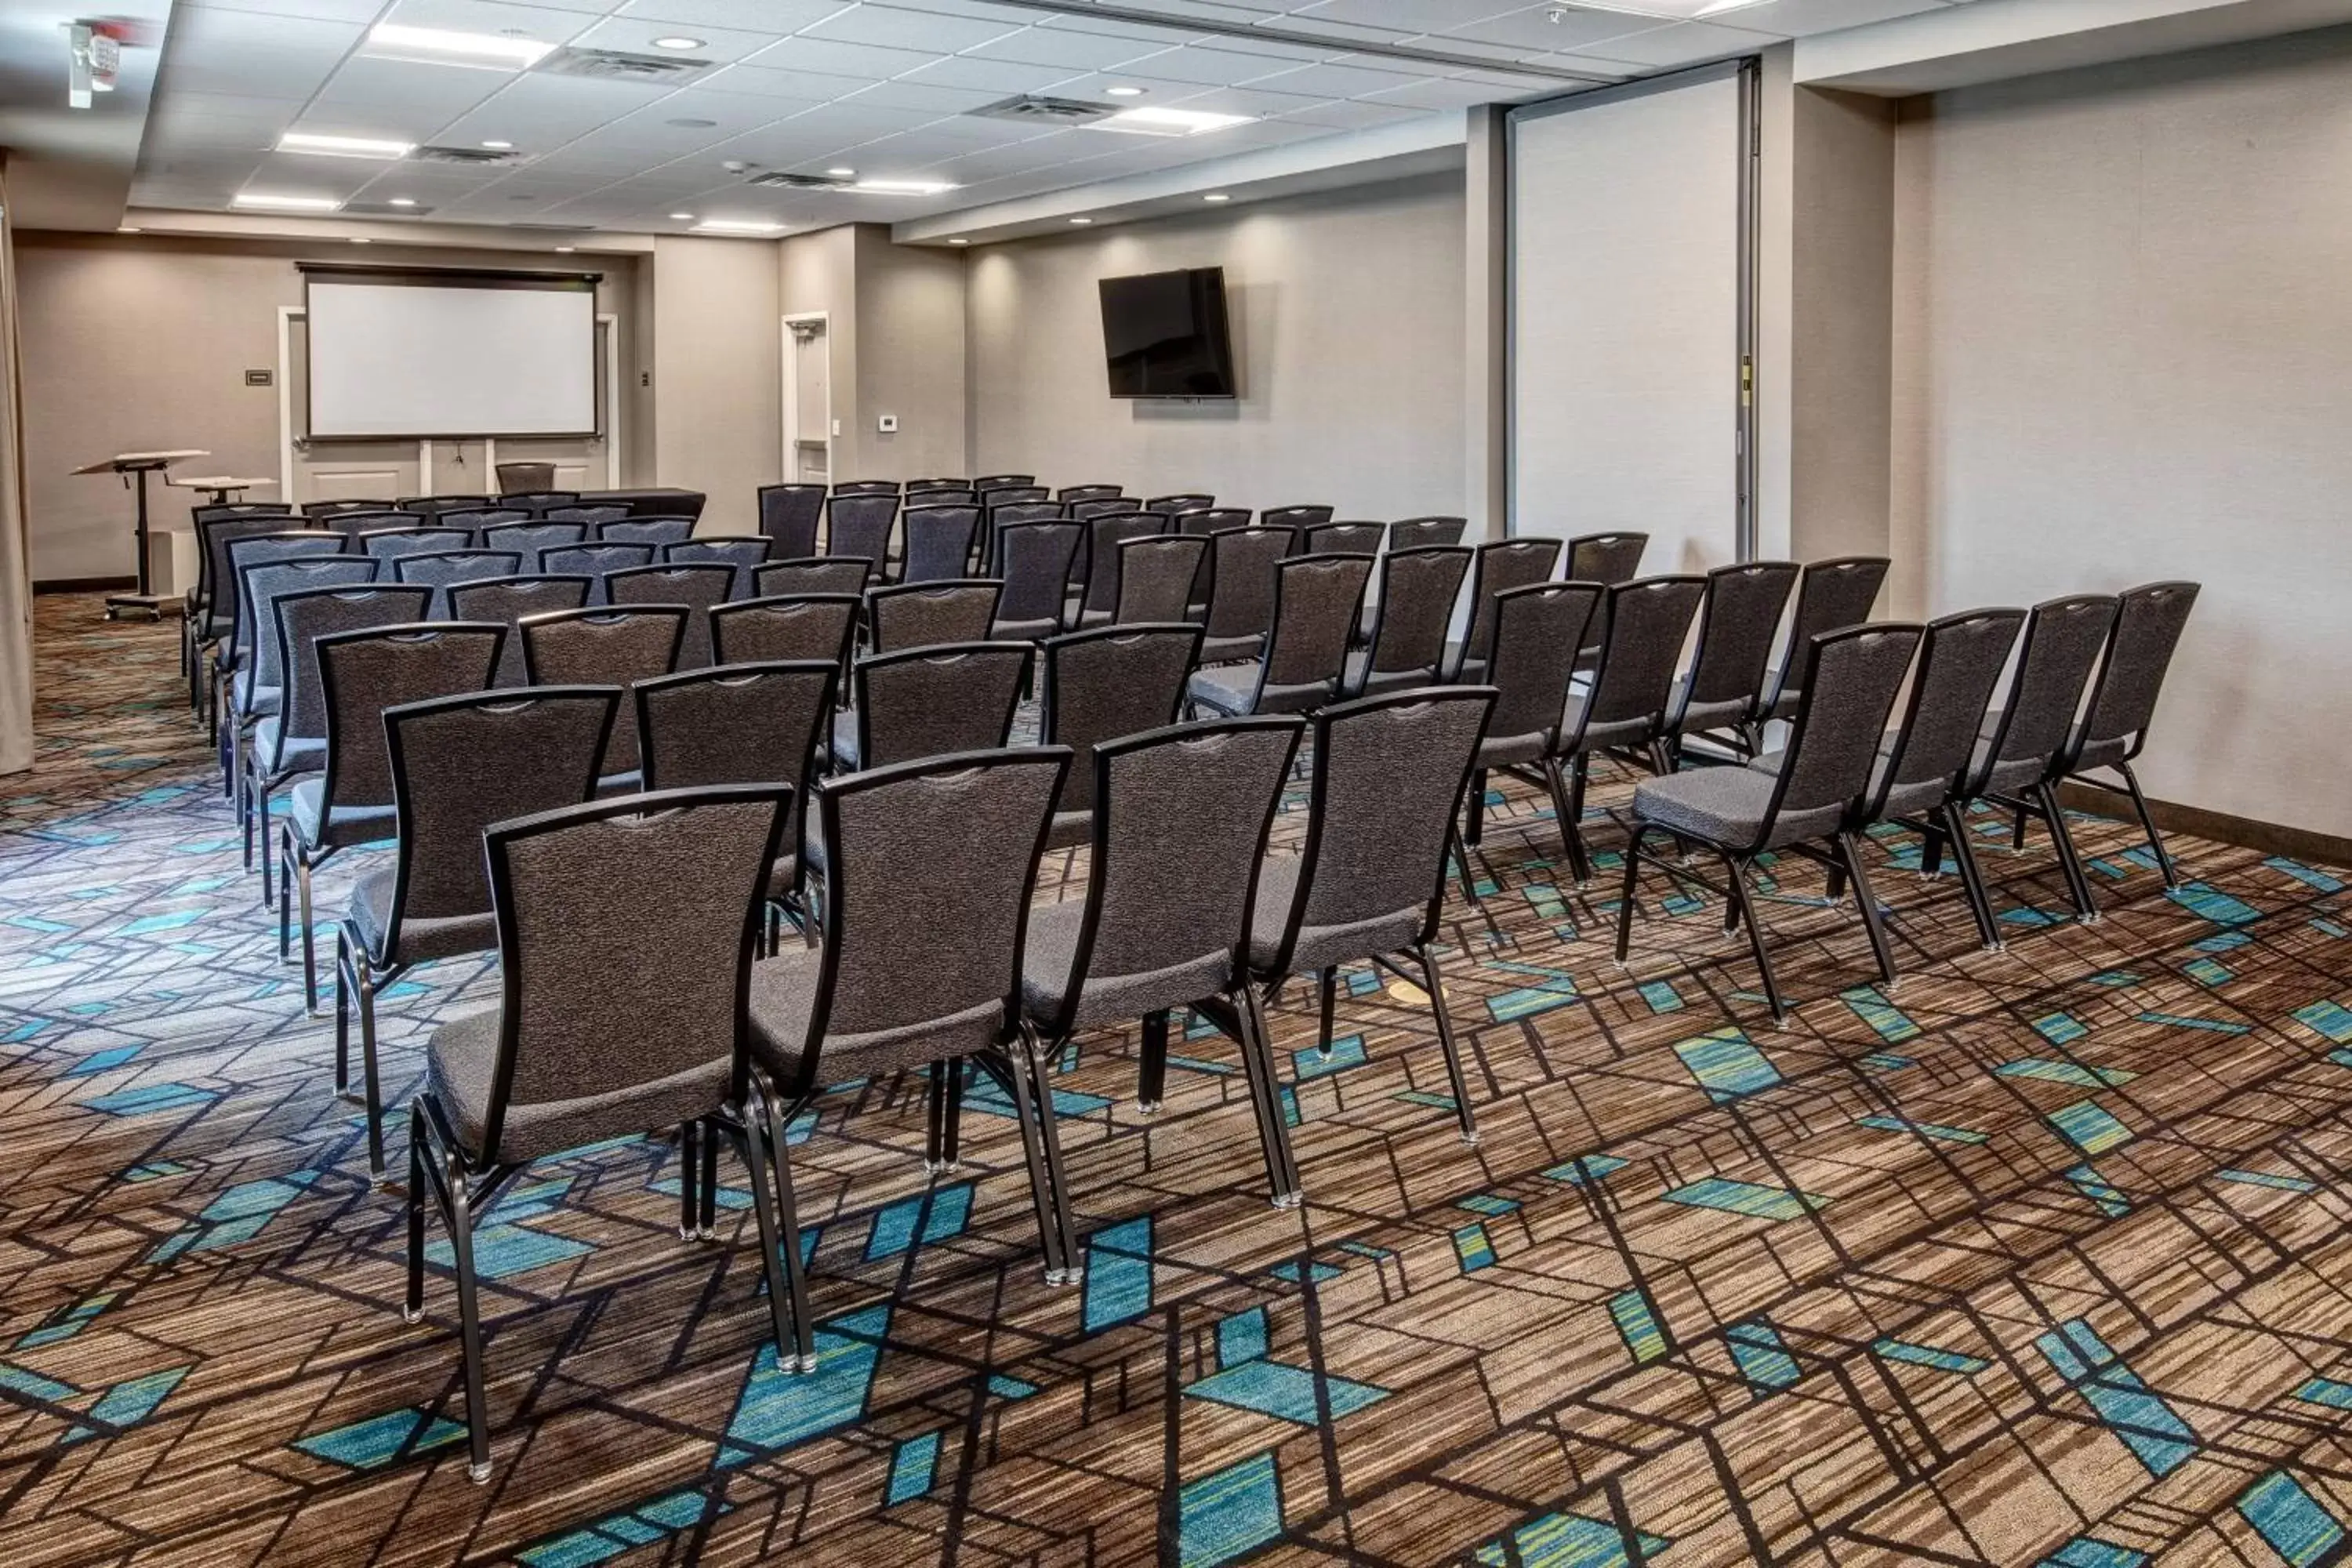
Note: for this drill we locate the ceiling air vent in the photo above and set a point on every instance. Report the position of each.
(478, 157)
(1036, 111)
(800, 182)
(617, 65)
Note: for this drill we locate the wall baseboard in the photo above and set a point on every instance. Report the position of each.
(2270, 838)
(82, 585)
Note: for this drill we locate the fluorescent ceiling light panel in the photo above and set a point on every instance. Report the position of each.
(263, 201)
(737, 225)
(900, 187)
(444, 47)
(1159, 121)
(343, 146)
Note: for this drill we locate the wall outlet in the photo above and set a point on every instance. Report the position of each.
(887, 424)
(836, 427)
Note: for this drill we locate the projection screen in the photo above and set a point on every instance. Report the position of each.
(444, 354)
(1630, 256)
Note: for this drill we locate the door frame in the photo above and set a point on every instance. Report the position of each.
(788, 465)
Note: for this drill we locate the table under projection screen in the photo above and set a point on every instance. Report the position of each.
(441, 354)
(1629, 252)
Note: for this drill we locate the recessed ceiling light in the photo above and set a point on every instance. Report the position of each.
(901, 187)
(1124, 92)
(743, 225)
(403, 201)
(1082, 222)
(681, 217)
(950, 242)
(284, 203)
(133, 228)
(445, 46)
(565, 250)
(841, 173)
(1216, 196)
(678, 41)
(361, 240)
(1158, 121)
(343, 146)
(498, 146)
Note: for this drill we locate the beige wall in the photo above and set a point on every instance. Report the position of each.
(911, 358)
(2121, 349)
(139, 343)
(1348, 313)
(15, 577)
(718, 418)
(818, 275)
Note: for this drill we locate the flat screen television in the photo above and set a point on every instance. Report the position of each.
(1164, 334)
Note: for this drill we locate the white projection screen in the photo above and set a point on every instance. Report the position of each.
(1627, 256)
(426, 354)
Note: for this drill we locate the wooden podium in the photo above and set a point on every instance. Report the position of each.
(134, 467)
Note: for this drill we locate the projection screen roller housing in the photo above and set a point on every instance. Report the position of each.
(411, 356)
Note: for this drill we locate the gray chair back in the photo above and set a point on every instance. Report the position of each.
(433, 506)
(1315, 600)
(1011, 513)
(420, 538)
(861, 523)
(653, 531)
(604, 647)
(924, 615)
(940, 541)
(818, 574)
(2149, 620)
(216, 579)
(520, 477)
(356, 525)
(306, 614)
(1208, 523)
(1739, 622)
(1537, 630)
(486, 517)
(1644, 626)
(363, 674)
(928, 868)
(1181, 821)
(1183, 501)
(866, 487)
(1079, 510)
(1003, 482)
(1098, 562)
(460, 763)
(1419, 532)
(1242, 566)
(1850, 682)
(742, 723)
(538, 499)
(784, 628)
(698, 588)
(308, 508)
(1088, 492)
(745, 553)
(528, 539)
(942, 495)
(594, 514)
(1032, 561)
(1155, 577)
(1500, 566)
(440, 569)
(1111, 682)
(1609, 558)
(2063, 641)
(593, 562)
(1341, 538)
(934, 701)
(1960, 661)
(788, 516)
(1832, 594)
(1010, 495)
(1418, 587)
(505, 601)
(265, 581)
(1295, 517)
(626, 932)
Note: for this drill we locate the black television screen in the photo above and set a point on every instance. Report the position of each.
(1164, 334)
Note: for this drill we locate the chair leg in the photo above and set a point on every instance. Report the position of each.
(2017, 833)
(298, 865)
(1327, 988)
(787, 1309)
(1153, 1073)
(2148, 826)
(1579, 773)
(373, 1083)
(1972, 880)
(259, 789)
(344, 986)
(286, 913)
(705, 1190)
(952, 1119)
(469, 1322)
(1474, 815)
(1462, 865)
(2078, 884)
(764, 1124)
(1737, 872)
(1931, 847)
(412, 1308)
(1429, 982)
(1571, 832)
(1049, 1135)
(690, 1133)
(1266, 1090)
(1033, 1156)
(1625, 896)
(1850, 851)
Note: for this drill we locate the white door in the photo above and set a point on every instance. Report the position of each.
(808, 401)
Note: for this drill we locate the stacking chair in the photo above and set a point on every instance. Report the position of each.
(2149, 622)
(939, 482)
(458, 764)
(1088, 492)
(928, 868)
(940, 543)
(477, 520)
(1239, 611)
(1537, 630)
(1079, 510)
(1407, 646)
(2022, 751)
(1419, 533)
(1180, 503)
(1738, 620)
(1295, 517)
(1010, 513)
(1644, 626)
(1848, 678)
(1832, 594)
(1606, 558)
(931, 701)
(1497, 568)
(866, 487)
(314, 507)
(861, 523)
(433, 506)
(1371, 879)
(614, 646)
(438, 572)
(593, 515)
(785, 626)
(626, 916)
(593, 562)
(1153, 578)
(254, 679)
(347, 801)
(1315, 602)
(1207, 524)
(700, 587)
(212, 610)
(745, 553)
(356, 525)
(1340, 539)
(524, 475)
(391, 544)
(1032, 561)
(919, 496)
(924, 615)
(1181, 821)
(505, 601)
(1003, 482)
(653, 531)
(1096, 567)
(817, 575)
(528, 539)
(1098, 685)
(228, 616)
(1008, 495)
(539, 498)
(789, 515)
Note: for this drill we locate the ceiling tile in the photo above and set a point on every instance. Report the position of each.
(923, 95)
(771, 17)
(1548, 29)
(1000, 77)
(1333, 82)
(1062, 46)
(1207, 66)
(863, 60)
(635, 34)
(898, 27)
(547, 24)
(308, 10)
(1683, 43)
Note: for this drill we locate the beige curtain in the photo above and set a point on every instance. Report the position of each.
(15, 559)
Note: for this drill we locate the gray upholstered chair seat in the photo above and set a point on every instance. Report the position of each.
(300, 753)
(1470, 671)
(421, 940)
(1320, 947)
(2005, 778)
(1624, 732)
(628, 783)
(1365, 681)
(783, 990)
(1070, 829)
(461, 1060)
(2101, 753)
(352, 824)
(1722, 806)
(783, 876)
(1503, 751)
(1225, 650)
(257, 700)
(1095, 618)
(1045, 974)
(1226, 688)
(844, 749)
(1693, 718)
(1022, 631)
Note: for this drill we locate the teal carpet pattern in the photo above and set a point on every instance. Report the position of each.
(2042, 1258)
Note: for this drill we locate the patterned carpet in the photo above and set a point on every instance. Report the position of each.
(2043, 1258)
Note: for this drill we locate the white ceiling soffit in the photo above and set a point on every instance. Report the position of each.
(1992, 40)
(887, 87)
(72, 168)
